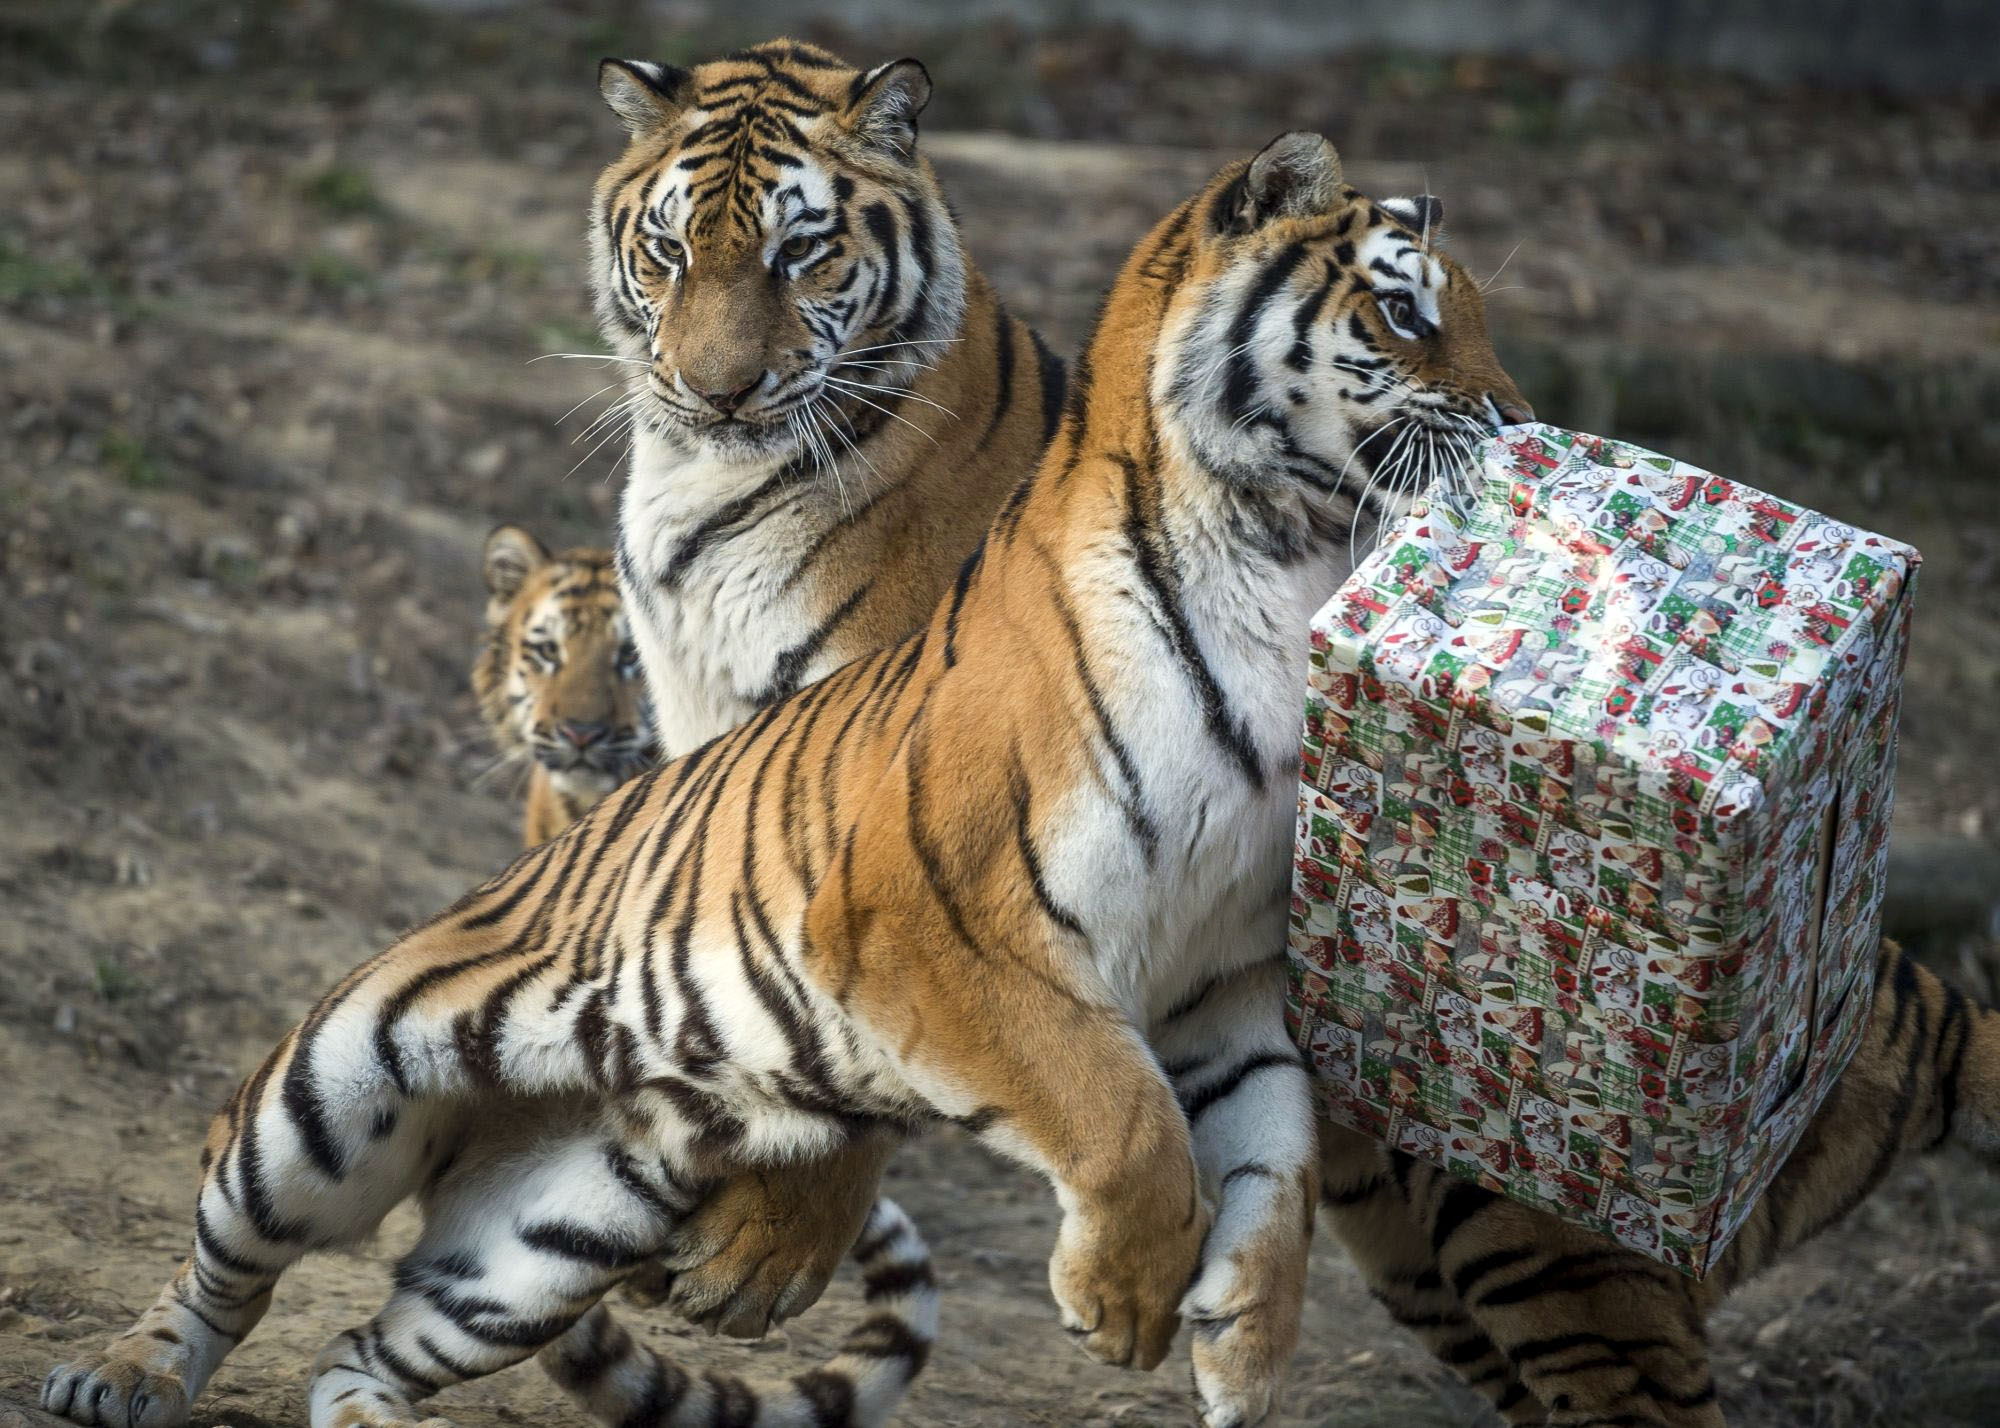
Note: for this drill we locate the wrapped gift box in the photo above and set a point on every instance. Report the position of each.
(1592, 823)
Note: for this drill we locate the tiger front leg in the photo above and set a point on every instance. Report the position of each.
(1133, 1217)
(1017, 1043)
(1246, 1095)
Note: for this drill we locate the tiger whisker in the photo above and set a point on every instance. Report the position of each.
(894, 392)
(591, 398)
(1361, 503)
(907, 342)
(856, 395)
(587, 357)
(625, 407)
(832, 425)
(1494, 276)
(611, 434)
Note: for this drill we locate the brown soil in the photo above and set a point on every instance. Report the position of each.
(263, 342)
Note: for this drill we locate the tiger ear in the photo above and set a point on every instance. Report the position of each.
(645, 96)
(512, 555)
(1422, 215)
(1296, 175)
(883, 105)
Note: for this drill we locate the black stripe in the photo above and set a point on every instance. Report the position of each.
(1472, 1271)
(791, 665)
(1003, 375)
(1461, 1202)
(1240, 383)
(1162, 580)
(580, 1243)
(1024, 841)
(1049, 371)
(1194, 1105)
(891, 1280)
(722, 522)
(1133, 800)
(1566, 1274)
(1558, 1344)
(959, 587)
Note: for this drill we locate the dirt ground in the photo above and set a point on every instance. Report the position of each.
(267, 307)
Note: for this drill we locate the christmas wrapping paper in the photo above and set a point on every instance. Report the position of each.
(1592, 824)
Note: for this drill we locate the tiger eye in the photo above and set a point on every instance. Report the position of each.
(798, 245)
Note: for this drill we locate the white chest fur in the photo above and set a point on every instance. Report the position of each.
(708, 558)
(1184, 862)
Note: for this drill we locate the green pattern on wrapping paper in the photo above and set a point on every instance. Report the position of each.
(1568, 754)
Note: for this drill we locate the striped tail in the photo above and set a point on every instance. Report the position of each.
(619, 1380)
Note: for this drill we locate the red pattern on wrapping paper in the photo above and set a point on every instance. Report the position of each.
(1425, 945)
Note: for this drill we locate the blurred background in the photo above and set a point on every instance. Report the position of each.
(271, 276)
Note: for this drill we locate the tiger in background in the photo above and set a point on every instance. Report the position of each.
(1560, 1325)
(1027, 870)
(827, 404)
(557, 678)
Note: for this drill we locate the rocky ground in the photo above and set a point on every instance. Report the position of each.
(267, 303)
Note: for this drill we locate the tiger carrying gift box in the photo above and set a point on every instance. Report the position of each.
(1592, 822)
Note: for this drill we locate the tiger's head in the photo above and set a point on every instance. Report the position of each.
(556, 675)
(1318, 340)
(770, 240)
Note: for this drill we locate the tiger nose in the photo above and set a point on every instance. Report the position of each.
(728, 402)
(1514, 411)
(581, 735)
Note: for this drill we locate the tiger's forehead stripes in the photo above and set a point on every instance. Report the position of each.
(734, 163)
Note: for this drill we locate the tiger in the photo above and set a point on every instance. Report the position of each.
(1558, 1324)
(1025, 870)
(827, 404)
(557, 677)
(759, 1250)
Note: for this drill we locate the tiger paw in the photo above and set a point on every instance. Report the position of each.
(1239, 1365)
(116, 1388)
(1243, 1311)
(1119, 1292)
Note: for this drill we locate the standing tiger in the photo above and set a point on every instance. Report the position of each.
(1026, 870)
(828, 403)
(557, 678)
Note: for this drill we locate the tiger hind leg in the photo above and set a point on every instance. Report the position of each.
(618, 1380)
(1598, 1332)
(346, 1118)
(1368, 1207)
(523, 1234)
(252, 1222)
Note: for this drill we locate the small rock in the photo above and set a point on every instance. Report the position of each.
(486, 462)
(227, 557)
(296, 528)
(65, 1022)
(1773, 1331)
(133, 871)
